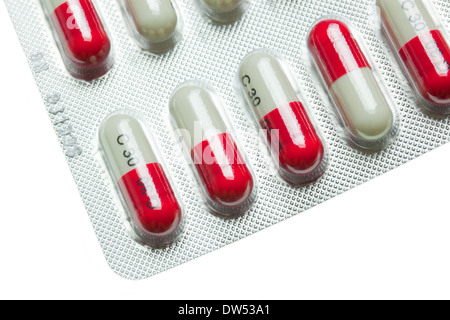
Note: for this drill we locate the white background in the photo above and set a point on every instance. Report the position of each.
(389, 238)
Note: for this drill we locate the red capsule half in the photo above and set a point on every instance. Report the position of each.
(147, 190)
(427, 59)
(223, 170)
(299, 147)
(85, 45)
(336, 50)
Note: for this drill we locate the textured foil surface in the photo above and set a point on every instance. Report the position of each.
(143, 82)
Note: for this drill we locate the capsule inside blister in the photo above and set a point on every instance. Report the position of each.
(155, 212)
(81, 37)
(295, 142)
(155, 24)
(422, 48)
(362, 103)
(224, 11)
(223, 175)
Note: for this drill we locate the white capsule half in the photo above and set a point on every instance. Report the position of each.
(155, 24)
(224, 11)
(363, 105)
(194, 111)
(222, 5)
(265, 83)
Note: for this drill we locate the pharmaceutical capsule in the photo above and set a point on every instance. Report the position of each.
(224, 10)
(422, 49)
(155, 212)
(294, 141)
(154, 23)
(224, 177)
(81, 37)
(361, 103)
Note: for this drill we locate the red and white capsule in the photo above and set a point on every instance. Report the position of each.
(362, 103)
(155, 212)
(295, 142)
(224, 176)
(81, 37)
(419, 40)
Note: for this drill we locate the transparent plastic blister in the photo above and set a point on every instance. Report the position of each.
(224, 11)
(149, 197)
(422, 48)
(268, 89)
(361, 101)
(156, 25)
(211, 148)
(81, 36)
(141, 85)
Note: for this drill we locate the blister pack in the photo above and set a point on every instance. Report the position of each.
(189, 125)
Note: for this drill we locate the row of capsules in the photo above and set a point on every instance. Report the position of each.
(156, 25)
(269, 90)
